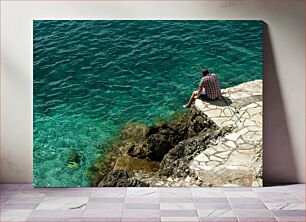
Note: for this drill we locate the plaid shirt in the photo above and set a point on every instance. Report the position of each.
(211, 86)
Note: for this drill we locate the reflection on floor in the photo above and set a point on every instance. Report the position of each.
(22, 202)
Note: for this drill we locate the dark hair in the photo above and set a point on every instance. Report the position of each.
(205, 71)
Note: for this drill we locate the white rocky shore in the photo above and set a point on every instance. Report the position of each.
(219, 144)
(236, 159)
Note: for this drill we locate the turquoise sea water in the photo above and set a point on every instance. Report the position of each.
(92, 77)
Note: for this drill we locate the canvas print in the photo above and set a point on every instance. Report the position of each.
(147, 103)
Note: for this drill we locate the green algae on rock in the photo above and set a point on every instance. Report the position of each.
(131, 164)
(74, 160)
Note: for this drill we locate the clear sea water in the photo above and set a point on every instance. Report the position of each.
(92, 77)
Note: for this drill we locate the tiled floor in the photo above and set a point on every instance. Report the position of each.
(21, 202)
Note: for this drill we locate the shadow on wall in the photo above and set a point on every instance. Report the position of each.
(278, 160)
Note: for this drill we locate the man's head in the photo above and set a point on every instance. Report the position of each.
(205, 72)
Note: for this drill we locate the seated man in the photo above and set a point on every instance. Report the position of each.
(209, 88)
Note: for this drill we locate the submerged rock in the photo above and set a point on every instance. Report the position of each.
(134, 132)
(74, 156)
(74, 160)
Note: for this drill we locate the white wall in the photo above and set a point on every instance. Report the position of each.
(284, 74)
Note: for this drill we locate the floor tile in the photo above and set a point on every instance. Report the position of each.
(179, 219)
(14, 214)
(240, 194)
(256, 219)
(299, 194)
(224, 205)
(176, 199)
(7, 194)
(109, 189)
(291, 219)
(62, 203)
(281, 200)
(274, 189)
(289, 213)
(109, 193)
(140, 219)
(142, 213)
(101, 219)
(20, 206)
(218, 219)
(141, 189)
(102, 206)
(105, 200)
(269, 193)
(285, 206)
(141, 206)
(55, 219)
(24, 200)
(10, 186)
(248, 206)
(268, 204)
(175, 192)
(174, 189)
(63, 189)
(141, 200)
(246, 203)
(296, 187)
(83, 193)
(246, 200)
(210, 200)
(216, 213)
(27, 187)
(103, 213)
(179, 213)
(149, 195)
(198, 192)
(177, 206)
(207, 189)
(236, 189)
(56, 213)
(141, 193)
(253, 213)
(3, 200)
(272, 197)
(27, 194)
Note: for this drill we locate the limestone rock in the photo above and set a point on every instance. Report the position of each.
(201, 158)
(160, 139)
(177, 160)
(217, 143)
(120, 178)
(233, 136)
(131, 164)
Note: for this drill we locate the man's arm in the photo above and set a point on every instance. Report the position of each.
(200, 90)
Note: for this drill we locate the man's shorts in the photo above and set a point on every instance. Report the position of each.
(203, 95)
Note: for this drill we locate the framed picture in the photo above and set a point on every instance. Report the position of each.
(171, 103)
